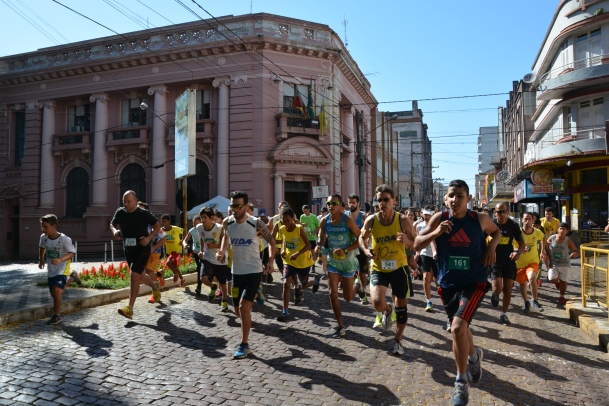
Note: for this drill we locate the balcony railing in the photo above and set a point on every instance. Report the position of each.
(571, 66)
(128, 136)
(584, 134)
(72, 141)
(296, 124)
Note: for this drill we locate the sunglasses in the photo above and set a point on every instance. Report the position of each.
(384, 199)
(501, 211)
(333, 203)
(237, 206)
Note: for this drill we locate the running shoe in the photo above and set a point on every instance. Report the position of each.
(429, 307)
(527, 307)
(260, 299)
(218, 293)
(298, 296)
(151, 299)
(536, 305)
(387, 319)
(284, 316)
(562, 300)
(156, 293)
(161, 278)
(198, 290)
(212, 293)
(126, 312)
(315, 286)
(398, 349)
(358, 283)
(323, 278)
(339, 331)
(503, 319)
(365, 299)
(461, 394)
(495, 300)
(55, 319)
(75, 278)
(448, 325)
(224, 306)
(242, 351)
(474, 370)
(378, 321)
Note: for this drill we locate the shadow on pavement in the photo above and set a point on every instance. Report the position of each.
(94, 344)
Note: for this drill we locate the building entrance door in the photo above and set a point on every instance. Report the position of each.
(297, 194)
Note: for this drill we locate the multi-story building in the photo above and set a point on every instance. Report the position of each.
(82, 123)
(414, 157)
(488, 148)
(568, 141)
(384, 150)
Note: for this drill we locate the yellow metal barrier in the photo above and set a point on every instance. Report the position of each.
(594, 272)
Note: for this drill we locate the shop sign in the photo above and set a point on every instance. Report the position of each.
(542, 177)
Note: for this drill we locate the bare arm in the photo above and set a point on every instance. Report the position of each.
(116, 232)
(41, 253)
(573, 247)
(364, 237)
(224, 243)
(321, 237)
(434, 229)
(408, 236)
(494, 233)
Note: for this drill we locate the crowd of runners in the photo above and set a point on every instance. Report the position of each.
(375, 256)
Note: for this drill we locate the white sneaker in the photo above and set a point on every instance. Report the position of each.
(387, 322)
(398, 349)
(378, 321)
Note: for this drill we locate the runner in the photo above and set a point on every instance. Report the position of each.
(528, 262)
(311, 226)
(427, 258)
(549, 223)
(241, 231)
(273, 226)
(410, 251)
(173, 247)
(132, 223)
(341, 233)
(390, 233)
(322, 259)
(503, 271)
(193, 235)
(56, 251)
(209, 239)
(363, 270)
(297, 261)
(558, 259)
(152, 265)
(463, 260)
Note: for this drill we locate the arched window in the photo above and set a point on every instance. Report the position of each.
(77, 198)
(200, 183)
(133, 177)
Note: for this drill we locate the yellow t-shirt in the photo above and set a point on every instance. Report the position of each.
(550, 227)
(390, 253)
(277, 221)
(531, 252)
(292, 243)
(172, 240)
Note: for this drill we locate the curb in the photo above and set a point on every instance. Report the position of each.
(590, 321)
(106, 297)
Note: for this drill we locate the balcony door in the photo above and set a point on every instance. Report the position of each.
(591, 119)
(588, 49)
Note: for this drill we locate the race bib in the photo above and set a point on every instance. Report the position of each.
(211, 240)
(234, 292)
(458, 263)
(169, 237)
(307, 229)
(527, 248)
(290, 245)
(52, 254)
(130, 242)
(504, 240)
(557, 255)
(389, 264)
(339, 256)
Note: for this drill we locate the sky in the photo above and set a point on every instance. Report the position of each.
(408, 50)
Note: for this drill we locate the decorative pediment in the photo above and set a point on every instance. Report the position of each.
(302, 150)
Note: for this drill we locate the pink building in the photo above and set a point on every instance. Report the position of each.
(73, 136)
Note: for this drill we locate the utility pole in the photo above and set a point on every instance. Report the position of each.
(361, 156)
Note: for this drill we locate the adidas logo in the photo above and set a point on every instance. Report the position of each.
(459, 239)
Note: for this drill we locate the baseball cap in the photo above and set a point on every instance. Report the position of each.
(262, 212)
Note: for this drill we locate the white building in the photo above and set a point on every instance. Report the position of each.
(488, 148)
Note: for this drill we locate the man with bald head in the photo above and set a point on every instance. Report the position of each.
(130, 223)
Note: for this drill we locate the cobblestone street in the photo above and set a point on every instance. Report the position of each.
(180, 352)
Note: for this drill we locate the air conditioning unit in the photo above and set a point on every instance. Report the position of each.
(75, 129)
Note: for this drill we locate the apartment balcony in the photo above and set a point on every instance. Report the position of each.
(584, 142)
(136, 135)
(584, 73)
(80, 141)
(290, 124)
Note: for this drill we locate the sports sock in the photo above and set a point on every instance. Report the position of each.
(473, 358)
(461, 377)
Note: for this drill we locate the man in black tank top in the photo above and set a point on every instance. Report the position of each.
(463, 260)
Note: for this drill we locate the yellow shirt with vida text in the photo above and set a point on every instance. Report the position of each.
(390, 253)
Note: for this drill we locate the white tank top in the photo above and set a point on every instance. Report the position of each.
(212, 236)
(245, 244)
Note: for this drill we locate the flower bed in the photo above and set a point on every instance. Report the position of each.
(117, 276)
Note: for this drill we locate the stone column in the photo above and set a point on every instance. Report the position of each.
(100, 153)
(222, 142)
(159, 146)
(278, 187)
(349, 168)
(47, 164)
(322, 180)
